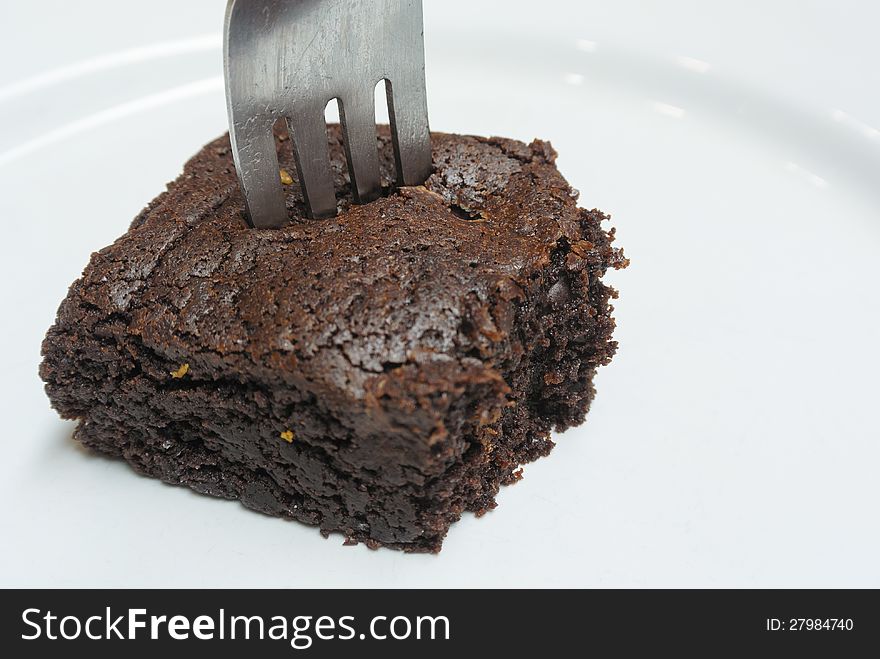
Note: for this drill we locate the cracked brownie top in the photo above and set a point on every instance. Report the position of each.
(424, 275)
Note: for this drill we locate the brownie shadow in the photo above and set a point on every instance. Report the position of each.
(62, 438)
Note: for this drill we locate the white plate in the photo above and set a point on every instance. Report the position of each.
(734, 440)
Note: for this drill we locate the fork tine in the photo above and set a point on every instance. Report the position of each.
(253, 148)
(309, 134)
(357, 114)
(284, 57)
(410, 135)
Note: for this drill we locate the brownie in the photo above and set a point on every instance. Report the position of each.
(374, 374)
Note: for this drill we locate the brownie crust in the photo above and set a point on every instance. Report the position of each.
(374, 374)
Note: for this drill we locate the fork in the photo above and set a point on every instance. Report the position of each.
(287, 59)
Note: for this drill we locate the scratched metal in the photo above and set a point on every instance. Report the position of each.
(288, 59)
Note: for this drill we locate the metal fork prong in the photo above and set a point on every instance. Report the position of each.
(285, 57)
(256, 160)
(312, 154)
(410, 134)
(357, 114)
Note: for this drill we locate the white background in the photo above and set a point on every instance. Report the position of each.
(734, 440)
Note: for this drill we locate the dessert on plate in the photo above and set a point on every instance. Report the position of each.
(374, 374)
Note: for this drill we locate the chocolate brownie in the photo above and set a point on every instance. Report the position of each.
(374, 374)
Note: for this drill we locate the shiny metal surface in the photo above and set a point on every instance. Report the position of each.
(288, 59)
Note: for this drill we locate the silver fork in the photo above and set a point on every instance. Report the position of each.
(288, 59)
